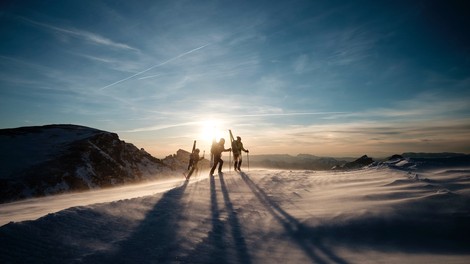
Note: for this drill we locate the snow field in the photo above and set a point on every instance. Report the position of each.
(263, 216)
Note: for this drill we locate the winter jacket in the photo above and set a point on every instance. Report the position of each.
(217, 149)
(237, 147)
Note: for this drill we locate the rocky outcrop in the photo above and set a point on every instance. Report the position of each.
(180, 161)
(395, 157)
(357, 164)
(60, 158)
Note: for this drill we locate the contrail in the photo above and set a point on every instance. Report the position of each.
(161, 127)
(151, 76)
(291, 114)
(154, 66)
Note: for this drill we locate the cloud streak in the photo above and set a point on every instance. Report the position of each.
(154, 66)
(290, 114)
(226, 117)
(151, 76)
(159, 127)
(82, 34)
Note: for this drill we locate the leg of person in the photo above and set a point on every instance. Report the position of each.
(213, 167)
(190, 173)
(217, 159)
(221, 163)
(236, 158)
(239, 162)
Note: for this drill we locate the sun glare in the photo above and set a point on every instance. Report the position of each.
(211, 129)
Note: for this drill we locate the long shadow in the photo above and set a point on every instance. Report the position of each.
(213, 248)
(407, 230)
(155, 239)
(293, 227)
(237, 234)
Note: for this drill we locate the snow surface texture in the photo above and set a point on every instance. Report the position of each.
(373, 215)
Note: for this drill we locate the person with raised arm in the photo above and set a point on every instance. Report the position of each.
(216, 150)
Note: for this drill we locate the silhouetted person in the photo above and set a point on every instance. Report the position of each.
(217, 150)
(237, 148)
(195, 160)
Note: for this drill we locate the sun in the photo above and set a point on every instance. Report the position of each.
(210, 130)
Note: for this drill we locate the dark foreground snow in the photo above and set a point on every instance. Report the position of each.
(263, 216)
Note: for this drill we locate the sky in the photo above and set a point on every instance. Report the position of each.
(328, 78)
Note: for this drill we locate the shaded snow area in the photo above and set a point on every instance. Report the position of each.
(373, 215)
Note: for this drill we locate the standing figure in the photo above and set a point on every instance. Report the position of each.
(217, 150)
(194, 161)
(237, 147)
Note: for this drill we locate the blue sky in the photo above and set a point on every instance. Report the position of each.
(330, 78)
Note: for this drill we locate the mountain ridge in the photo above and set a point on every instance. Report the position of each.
(52, 159)
(57, 158)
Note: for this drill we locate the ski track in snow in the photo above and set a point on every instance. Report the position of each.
(261, 216)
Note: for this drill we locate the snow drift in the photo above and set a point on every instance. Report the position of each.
(380, 214)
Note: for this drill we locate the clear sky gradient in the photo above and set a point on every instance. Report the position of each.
(329, 78)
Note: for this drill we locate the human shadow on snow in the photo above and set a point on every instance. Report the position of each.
(407, 230)
(294, 228)
(155, 240)
(237, 234)
(216, 247)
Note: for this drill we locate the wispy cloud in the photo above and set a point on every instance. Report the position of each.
(290, 114)
(423, 106)
(154, 66)
(426, 122)
(19, 71)
(82, 34)
(159, 127)
(301, 63)
(357, 138)
(350, 45)
(113, 63)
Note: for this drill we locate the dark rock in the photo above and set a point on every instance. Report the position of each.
(60, 158)
(357, 164)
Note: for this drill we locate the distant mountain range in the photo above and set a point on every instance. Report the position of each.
(312, 162)
(301, 161)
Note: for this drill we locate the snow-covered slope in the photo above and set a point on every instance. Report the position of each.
(37, 161)
(374, 215)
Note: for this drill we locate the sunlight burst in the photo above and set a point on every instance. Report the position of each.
(211, 129)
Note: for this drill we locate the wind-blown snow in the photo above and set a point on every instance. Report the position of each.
(32, 209)
(373, 215)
